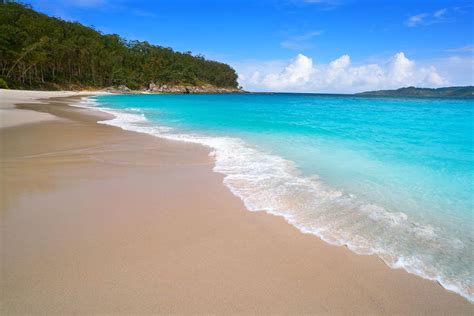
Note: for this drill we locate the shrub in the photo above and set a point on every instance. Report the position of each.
(3, 84)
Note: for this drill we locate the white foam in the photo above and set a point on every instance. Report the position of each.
(270, 183)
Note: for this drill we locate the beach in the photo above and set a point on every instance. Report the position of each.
(98, 220)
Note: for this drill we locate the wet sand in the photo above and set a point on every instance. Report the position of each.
(10, 115)
(97, 220)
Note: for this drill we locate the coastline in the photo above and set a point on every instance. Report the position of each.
(12, 115)
(158, 252)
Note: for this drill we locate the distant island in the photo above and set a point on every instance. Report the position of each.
(47, 53)
(467, 91)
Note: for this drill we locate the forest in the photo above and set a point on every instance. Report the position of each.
(42, 52)
(467, 91)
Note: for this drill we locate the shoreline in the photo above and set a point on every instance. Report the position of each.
(122, 120)
(10, 100)
(226, 259)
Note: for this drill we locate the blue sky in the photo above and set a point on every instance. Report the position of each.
(301, 45)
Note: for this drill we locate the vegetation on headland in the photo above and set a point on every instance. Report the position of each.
(42, 52)
(467, 91)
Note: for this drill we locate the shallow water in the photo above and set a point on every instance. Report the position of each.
(388, 176)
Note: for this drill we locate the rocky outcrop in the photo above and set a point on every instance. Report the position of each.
(118, 89)
(191, 89)
(174, 89)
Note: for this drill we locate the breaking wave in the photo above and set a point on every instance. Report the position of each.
(266, 182)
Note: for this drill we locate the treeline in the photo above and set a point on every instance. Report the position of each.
(38, 51)
(467, 91)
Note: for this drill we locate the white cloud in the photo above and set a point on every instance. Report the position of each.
(300, 41)
(401, 69)
(464, 49)
(415, 20)
(301, 74)
(426, 18)
(297, 73)
(458, 69)
(440, 13)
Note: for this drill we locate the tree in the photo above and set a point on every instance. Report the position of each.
(38, 51)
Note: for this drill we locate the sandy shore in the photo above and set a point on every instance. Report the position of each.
(97, 220)
(11, 116)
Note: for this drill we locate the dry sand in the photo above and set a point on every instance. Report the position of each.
(11, 116)
(96, 220)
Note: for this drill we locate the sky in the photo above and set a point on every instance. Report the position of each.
(338, 46)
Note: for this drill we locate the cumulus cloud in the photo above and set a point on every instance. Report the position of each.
(297, 73)
(457, 69)
(301, 74)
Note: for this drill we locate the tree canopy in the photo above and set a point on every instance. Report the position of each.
(467, 91)
(39, 51)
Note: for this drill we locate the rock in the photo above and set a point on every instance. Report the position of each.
(118, 89)
(193, 89)
(124, 88)
(176, 89)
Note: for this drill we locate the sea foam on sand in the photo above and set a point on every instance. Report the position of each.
(270, 183)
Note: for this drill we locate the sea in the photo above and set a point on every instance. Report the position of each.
(392, 177)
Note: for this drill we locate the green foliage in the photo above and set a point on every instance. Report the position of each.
(467, 91)
(3, 84)
(39, 51)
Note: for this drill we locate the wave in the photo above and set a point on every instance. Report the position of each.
(267, 182)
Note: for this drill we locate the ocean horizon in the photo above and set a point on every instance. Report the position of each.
(386, 176)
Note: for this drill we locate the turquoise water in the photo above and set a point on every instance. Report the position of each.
(394, 177)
